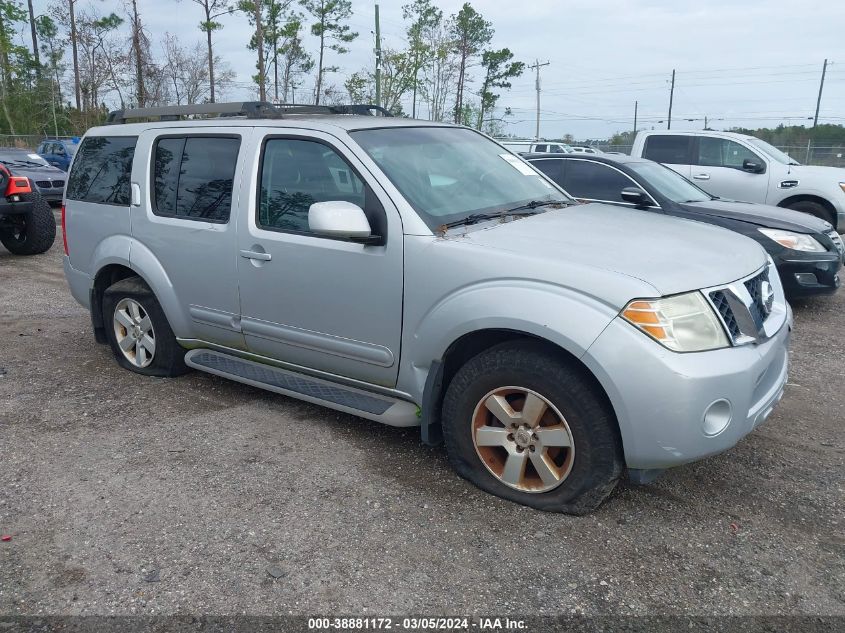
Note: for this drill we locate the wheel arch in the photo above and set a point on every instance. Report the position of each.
(808, 197)
(473, 343)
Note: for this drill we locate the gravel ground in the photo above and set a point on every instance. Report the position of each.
(131, 495)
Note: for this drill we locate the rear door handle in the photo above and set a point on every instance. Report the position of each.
(264, 257)
(701, 176)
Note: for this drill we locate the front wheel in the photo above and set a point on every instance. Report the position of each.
(815, 208)
(522, 422)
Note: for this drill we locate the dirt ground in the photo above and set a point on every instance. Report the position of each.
(132, 495)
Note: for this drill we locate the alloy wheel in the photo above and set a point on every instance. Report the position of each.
(134, 332)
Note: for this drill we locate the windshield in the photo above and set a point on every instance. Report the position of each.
(446, 174)
(774, 152)
(670, 183)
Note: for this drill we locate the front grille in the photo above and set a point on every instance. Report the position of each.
(720, 301)
(837, 241)
(48, 184)
(758, 305)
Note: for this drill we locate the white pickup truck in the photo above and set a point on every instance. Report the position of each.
(740, 167)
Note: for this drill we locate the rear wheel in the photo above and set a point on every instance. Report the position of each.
(138, 331)
(521, 422)
(814, 208)
(30, 233)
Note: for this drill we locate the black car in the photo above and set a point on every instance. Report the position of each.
(807, 251)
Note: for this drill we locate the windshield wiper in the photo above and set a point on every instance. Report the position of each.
(529, 208)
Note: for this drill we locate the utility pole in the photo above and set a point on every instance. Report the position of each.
(671, 98)
(819, 100)
(378, 60)
(636, 103)
(536, 66)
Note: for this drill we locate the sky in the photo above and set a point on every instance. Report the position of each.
(755, 63)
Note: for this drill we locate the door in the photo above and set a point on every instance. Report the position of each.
(325, 304)
(721, 169)
(182, 217)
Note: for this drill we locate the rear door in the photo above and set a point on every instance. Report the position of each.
(592, 181)
(718, 169)
(329, 305)
(673, 150)
(183, 218)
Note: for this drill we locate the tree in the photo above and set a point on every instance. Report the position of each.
(74, 38)
(498, 69)
(255, 13)
(295, 59)
(471, 33)
(333, 34)
(34, 34)
(186, 71)
(212, 9)
(425, 20)
(440, 74)
(397, 78)
(137, 36)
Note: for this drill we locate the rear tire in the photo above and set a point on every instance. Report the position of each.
(31, 233)
(815, 208)
(576, 444)
(138, 332)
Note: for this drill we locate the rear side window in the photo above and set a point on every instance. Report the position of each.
(193, 177)
(102, 170)
(668, 148)
(550, 167)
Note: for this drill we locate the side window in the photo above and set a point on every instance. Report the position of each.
(668, 148)
(102, 171)
(595, 181)
(540, 148)
(718, 152)
(297, 173)
(193, 177)
(550, 167)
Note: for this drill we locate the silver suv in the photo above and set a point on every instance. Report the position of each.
(419, 274)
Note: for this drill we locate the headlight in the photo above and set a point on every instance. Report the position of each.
(683, 323)
(794, 241)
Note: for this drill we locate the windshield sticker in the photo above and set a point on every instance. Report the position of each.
(518, 165)
(34, 156)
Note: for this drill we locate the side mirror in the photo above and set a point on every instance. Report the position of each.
(339, 219)
(636, 196)
(753, 166)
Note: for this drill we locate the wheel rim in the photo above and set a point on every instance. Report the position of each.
(134, 333)
(523, 439)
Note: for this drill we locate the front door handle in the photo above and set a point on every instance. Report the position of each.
(701, 176)
(264, 257)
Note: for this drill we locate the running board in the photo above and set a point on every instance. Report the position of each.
(378, 407)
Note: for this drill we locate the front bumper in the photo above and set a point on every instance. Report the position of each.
(661, 397)
(807, 276)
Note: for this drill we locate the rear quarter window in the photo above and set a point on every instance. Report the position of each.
(668, 148)
(102, 170)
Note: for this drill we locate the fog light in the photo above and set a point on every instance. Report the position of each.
(806, 279)
(716, 417)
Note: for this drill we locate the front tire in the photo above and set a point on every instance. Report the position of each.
(524, 423)
(138, 331)
(814, 208)
(30, 233)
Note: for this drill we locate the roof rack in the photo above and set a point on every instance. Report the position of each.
(248, 109)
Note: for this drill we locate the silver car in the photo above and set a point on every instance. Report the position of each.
(420, 274)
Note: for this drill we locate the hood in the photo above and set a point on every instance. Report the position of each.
(34, 172)
(761, 215)
(671, 255)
